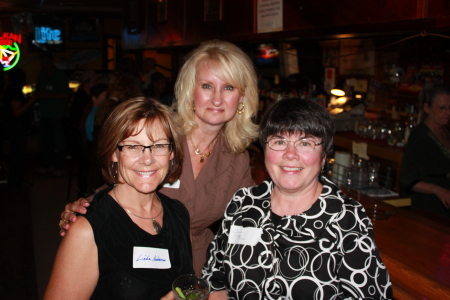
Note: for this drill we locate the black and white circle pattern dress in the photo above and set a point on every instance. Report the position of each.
(327, 252)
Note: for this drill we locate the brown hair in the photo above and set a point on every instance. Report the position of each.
(122, 123)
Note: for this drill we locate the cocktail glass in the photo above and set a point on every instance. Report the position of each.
(190, 287)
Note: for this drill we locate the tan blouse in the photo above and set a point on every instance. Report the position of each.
(207, 196)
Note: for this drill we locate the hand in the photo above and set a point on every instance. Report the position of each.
(169, 296)
(68, 215)
(219, 295)
(444, 196)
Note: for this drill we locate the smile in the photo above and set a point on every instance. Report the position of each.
(291, 169)
(216, 110)
(145, 174)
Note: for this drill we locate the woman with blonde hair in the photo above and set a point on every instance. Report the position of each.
(216, 100)
(228, 62)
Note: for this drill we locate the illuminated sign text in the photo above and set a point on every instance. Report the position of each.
(46, 35)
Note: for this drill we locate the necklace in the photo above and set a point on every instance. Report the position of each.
(156, 225)
(204, 155)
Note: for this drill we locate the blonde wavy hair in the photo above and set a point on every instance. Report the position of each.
(230, 64)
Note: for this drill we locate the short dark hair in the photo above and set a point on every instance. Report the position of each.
(295, 115)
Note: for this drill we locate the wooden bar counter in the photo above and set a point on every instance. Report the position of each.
(415, 248)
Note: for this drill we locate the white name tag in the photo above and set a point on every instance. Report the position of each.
(150, 258)
(244, 235)
(175, 185)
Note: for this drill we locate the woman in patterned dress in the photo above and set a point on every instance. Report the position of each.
(295, 236)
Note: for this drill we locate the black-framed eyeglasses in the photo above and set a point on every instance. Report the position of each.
(302, 145)
(138, 150)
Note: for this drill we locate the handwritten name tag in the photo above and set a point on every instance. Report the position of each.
(244, 235)
(175, 185)
(150, 258)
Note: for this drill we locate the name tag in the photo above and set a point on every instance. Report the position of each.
(150, 258)
(244, 235)
(175, 185)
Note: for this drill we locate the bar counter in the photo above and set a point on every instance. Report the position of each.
(415, 247)
(377, 150)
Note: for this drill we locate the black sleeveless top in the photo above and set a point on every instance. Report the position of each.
(115, 236)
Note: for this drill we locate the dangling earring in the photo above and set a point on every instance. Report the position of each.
(116, 173)
(322, 171)
(171, 161)
(241, 109)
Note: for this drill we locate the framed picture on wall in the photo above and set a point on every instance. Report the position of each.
(213, 10)
(85, 29)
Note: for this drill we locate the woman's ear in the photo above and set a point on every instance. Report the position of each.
(114, 157)
(426, 108)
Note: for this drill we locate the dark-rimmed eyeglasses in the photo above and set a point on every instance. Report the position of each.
(138, 150)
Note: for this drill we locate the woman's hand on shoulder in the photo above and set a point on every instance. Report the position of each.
(68, 215)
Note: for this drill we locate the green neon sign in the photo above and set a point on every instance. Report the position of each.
(9, 50)
(9, 56)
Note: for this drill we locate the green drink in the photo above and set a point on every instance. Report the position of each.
(190, 287)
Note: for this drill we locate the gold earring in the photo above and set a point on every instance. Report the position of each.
(192, 108)
(241, 109)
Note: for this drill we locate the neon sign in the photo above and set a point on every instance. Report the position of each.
(9, 50)
(46, 35)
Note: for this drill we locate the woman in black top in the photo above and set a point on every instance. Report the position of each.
(425, 173)
(134, 242)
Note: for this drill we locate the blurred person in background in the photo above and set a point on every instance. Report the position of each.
(80, 99)
(159, 89)
(86, 130)
(425, 172)
(148, 69)
(52, 93)
(18, 117)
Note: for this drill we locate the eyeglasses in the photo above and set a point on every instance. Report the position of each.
(138, 150)
(281, 144)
